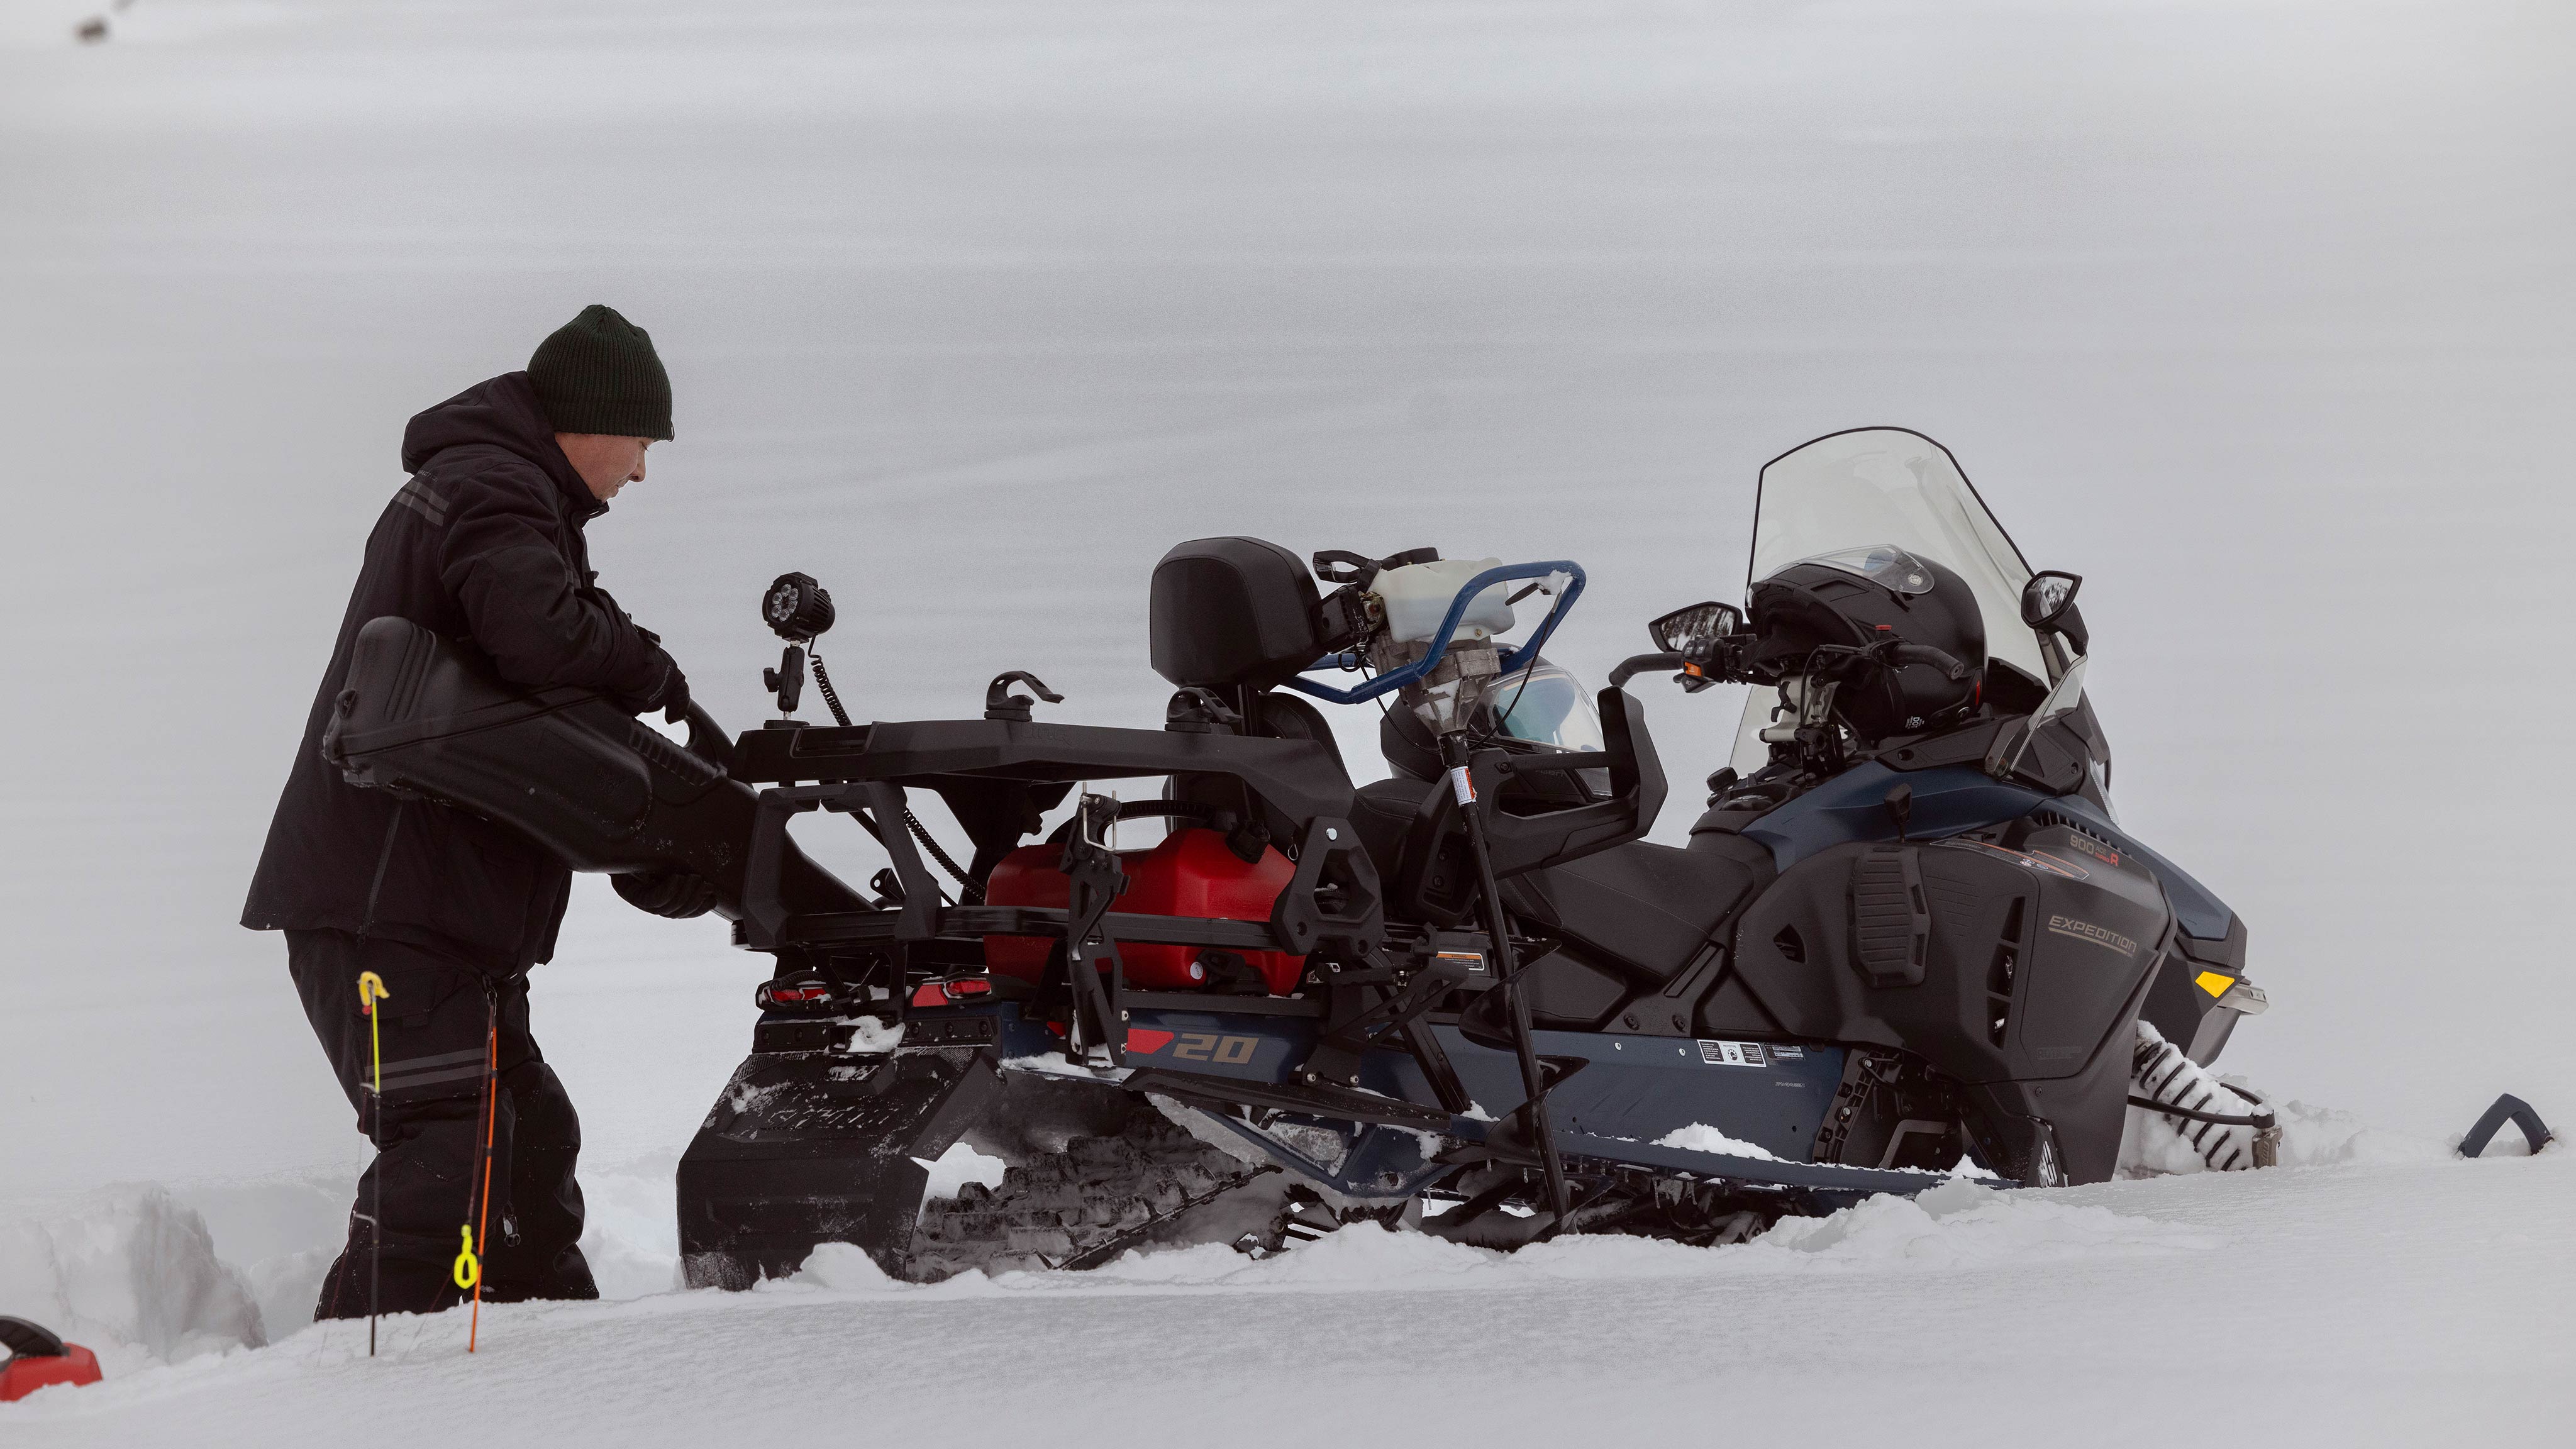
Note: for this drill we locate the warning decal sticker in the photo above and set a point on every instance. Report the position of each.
(1732, 1053)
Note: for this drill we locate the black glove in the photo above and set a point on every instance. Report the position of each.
(669, 692)
(674, 698)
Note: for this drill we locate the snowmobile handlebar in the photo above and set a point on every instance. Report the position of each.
(1956, 670)
(1847, 661)
(1636, 664)
(1730, 659)
(1725, 661)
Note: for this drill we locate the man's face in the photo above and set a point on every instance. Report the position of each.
(605, 462)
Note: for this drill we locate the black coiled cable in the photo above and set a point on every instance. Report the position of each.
(823, 682)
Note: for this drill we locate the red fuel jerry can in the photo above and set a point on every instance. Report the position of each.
(1192, 873)
(37, 1358)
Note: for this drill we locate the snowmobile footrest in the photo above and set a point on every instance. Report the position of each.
(1198, 1089)
(2507, 1108)
(1814, 1176)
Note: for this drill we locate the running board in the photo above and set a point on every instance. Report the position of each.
(1339, 1103)
(1828, 1176)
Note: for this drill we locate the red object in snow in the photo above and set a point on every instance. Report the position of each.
(1192, 873)
(37, 1359)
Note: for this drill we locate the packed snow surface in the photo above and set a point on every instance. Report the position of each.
(2257, 315)
(2408, 1297)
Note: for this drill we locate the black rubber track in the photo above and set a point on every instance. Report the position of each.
(1074, 1208)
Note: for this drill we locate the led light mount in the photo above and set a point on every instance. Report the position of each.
(796, 608)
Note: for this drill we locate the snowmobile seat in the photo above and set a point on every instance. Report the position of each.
(1382, 811)
(1286, 717)
(1651, 908)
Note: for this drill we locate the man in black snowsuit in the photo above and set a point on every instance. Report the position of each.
(483, 544)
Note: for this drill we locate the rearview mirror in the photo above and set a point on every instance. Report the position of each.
(1693, 633)
(2044, 600)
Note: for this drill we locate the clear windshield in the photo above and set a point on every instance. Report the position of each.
(1546, 705)
(1852, 496)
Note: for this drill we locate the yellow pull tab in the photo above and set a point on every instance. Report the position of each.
(469, 1269)
(371, 989)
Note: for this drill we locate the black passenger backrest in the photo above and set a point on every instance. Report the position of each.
(1229, 611)
(1286, 717)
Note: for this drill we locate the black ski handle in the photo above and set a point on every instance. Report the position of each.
(2507, 1108)
(707, 739)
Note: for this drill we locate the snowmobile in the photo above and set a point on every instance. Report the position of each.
(1907, 935)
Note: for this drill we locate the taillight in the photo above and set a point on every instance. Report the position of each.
(960, 988)
(792, 993)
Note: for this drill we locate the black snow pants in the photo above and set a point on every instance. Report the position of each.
(436, 1027)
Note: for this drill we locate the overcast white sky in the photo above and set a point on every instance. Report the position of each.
(2256, 315)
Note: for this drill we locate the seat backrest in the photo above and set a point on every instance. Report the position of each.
(1232, 611)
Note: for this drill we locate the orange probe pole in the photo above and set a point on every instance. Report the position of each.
(483, 1214)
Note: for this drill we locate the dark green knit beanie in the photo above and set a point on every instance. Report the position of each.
(598, 374)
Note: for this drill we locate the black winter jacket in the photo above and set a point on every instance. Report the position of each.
(483, 545)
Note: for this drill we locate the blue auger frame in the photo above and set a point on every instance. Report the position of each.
(1512, 658)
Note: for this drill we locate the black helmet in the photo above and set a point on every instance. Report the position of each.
(1864, 596)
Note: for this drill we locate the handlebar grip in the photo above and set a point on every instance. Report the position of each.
(1636, 664)
(1948, 664)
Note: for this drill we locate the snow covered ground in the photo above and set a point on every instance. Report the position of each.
(2258, 315)
(2395, 1296)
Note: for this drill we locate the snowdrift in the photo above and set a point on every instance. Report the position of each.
(131, 1273)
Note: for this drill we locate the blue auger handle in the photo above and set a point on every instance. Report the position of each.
(1511, 657)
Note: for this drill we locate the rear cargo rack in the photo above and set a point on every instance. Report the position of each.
(972, 922)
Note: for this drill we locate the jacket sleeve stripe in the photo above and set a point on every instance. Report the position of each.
(415, 495)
